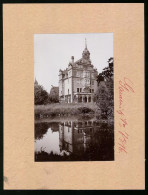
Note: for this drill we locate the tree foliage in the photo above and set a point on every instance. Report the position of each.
(107, 72)
(40, 95)
(54, 95)
(104, 94)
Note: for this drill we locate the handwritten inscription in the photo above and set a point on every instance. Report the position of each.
(125, 87)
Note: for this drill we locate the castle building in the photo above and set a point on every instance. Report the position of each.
(77, 83)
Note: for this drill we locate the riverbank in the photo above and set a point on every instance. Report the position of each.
(71, 109)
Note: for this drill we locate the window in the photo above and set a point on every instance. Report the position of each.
(92, 90)
(80, 89)
(92, 82)
(77, 89)
(88, 74)
(68, 91)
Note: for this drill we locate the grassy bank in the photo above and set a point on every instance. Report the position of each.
(57, 109)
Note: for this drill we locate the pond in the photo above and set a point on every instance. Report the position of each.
(74, 140)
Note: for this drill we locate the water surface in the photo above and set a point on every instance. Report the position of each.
(74, 140)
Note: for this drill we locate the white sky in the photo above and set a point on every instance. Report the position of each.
(53, 52)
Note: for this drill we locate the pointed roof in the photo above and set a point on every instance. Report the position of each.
(86, 50)
(85, 56)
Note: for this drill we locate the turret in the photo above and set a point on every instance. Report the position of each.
(86, 53)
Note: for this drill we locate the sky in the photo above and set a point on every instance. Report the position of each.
(53, 52)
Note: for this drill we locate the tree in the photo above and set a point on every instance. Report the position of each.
(107, 71)
(54, 94)
(104, 94)
(102, 99)
(40, 95)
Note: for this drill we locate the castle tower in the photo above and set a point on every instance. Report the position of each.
(86, 53)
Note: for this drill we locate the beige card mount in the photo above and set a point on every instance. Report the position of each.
(20, 23)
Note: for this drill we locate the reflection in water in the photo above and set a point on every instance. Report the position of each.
(74, 141)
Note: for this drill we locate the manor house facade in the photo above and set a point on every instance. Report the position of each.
(77, 83)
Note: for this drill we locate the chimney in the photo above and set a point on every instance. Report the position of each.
(72, 59)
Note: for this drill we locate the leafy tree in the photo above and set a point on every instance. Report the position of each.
(54, 94)
(40, 95)
(104, 94)
(107, 71)
(102, 99)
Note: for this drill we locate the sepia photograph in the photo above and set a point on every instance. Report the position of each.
(73, 97)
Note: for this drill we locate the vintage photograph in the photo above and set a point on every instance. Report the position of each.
(73, 97)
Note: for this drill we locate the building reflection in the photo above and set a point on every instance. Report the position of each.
(75, 137)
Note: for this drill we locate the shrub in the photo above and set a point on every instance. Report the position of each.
(85, 110)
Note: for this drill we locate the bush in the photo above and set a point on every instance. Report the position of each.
(85, 110)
